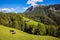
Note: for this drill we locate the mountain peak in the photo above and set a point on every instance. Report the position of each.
(31, 8)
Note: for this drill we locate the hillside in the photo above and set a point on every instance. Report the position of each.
(46, 14)
(27, 25)
(6, 35)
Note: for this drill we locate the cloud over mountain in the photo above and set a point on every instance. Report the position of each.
(33, 2)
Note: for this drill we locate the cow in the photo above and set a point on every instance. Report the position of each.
(12, 32)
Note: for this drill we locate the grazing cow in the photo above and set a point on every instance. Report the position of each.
(12, 32)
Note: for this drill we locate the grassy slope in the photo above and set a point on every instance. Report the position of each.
(32, 21)
(6, 35)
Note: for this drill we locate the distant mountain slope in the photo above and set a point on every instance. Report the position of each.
(46, 14)
(56, 6)
(5, 34)
(29, 9)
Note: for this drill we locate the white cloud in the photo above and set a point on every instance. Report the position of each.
(33, 2)
(7, 9)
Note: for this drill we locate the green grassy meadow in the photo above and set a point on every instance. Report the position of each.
(32, 22)
(6, 35)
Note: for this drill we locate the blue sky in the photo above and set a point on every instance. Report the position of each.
(22, 5)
